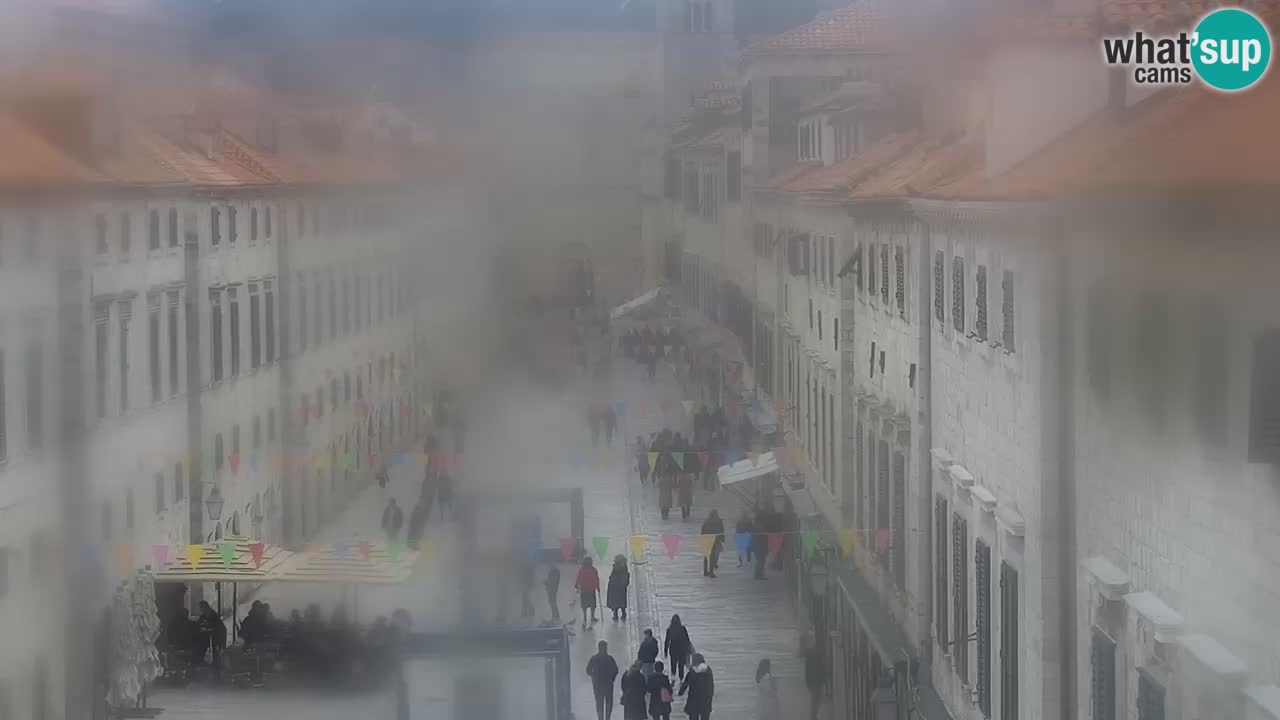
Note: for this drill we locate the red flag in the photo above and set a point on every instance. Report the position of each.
(404, 408)
(732, 405)
(256, 551)
(775, 543)
(234, 459)
(672, 541)
(364, 549)
(704, 457)
(644, 408)
(568, 547)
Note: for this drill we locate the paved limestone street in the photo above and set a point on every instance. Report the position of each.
(524, 437)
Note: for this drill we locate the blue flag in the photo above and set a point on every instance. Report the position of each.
(340, 549)
(744, 542)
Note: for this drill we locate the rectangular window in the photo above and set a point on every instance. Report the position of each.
(1151, 696)
(884, 508)
(355, 302)
(215, 226)
(173, 227)
(960, 593)
(980, 303)
(35, 396)
(939, 288)
(271, 424)
(173, 342)
(100, 243)
(1009, 658)
(153, 230)
(835, 333)
(899, 545)
(871, 371)
(941, 617)
(982, 595)
(215, 334)
(871, 269)
(126, 232)
(126, 313)
(733, 176)
(857, 267)
(811, 313)
(219, 452)
(333, 305)
(266, 231)
(346, 305)
(156, 373)
(900, 271)
(101, 311)
(129, 514)
(179, 483)
(233, 307)
(233, 224)
(884, 274)
(255, 328)
(1102, 673)
(159, 481)
(957, 293)
(831, 262)
(253, 225)
(269, 319)
(1006, 313)
(1264, 425)
(302, 312)
(257, 432)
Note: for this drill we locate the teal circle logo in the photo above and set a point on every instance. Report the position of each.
(1231, 49)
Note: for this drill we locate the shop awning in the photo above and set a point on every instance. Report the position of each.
(355, 561)
(247, 561)
(636, 304)
(747, 469)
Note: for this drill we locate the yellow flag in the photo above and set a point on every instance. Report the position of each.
(194, 553)
(848, 540)
(124, 557)
(755, 457)
(653, 461)
(707, 542)
(424, 552)
(638, 543)
(688, 407)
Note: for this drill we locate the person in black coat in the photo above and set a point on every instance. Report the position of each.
(634, 692)
(649, 650)
(677, 646)
(713, 525)
(700, 684)
(619, 580)
(602, 669)
(392, 520)
(417, 522)
(660, 693)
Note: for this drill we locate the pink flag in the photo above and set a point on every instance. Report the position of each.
(704, 458)
(364, 549)
(568, 546)
(672, 541)
(884, 538)
(161, 554)
(775, 543)
(256, 551)
(234, 459)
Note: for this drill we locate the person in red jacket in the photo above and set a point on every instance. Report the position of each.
(588, 585)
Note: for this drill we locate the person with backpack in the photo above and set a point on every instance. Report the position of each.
(660, 693)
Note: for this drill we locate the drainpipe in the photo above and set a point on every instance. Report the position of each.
(290, 428)
(195, 421)
(1066, 445)
(924, 380)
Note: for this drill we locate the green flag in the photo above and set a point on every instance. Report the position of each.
(393, 550)
(679, 458)
(808, 541)
(228, 552)
(601, 544)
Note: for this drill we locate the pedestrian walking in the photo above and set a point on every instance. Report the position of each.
(651, 362)
(382, 478)
(444, 493)
(700, 685)
(815, 676)
(768, 704)
(677, 646)
(588, 586)
(417, 522)
(686, 495)
(526, 588)
(593, 420)
(602, 669)
(642, 459)
(660, 693)
(619, 581)
(741, 528)
(648, 653)
(713, 525)
(634, 692)
(610, 425)
(392, 520)
(664, 494)
(552, 586)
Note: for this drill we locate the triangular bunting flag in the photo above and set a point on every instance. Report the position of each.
(568, 548)
(779, 406)
(744, 542)
(619, 408)
(253, 462)
(644, 409)
(234, 460)
(678, 456)
(707, 543)
(884, 539)
(848, 540)
(397, 458)
(425, 549)
(228, 553)
(340, 549)
(704, 459)
(653, 461)
(775, 543)
(638, 544)
(194, 554)
(89, 556)
(160, 553)
(393, 550)
(672, 541)
(808, 542)
(315, 548)
(601, 544)
(688, 407)
(124, 557)
(365, 549)
(256, 551)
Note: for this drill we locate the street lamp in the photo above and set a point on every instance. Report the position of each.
(214, 504)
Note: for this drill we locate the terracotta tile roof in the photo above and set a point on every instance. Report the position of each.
(32, 162)
(863, 26)
(839, 177)
(1152, 14)
(780, 180)
(1041, 29)
(930, 163)
(1190, 139)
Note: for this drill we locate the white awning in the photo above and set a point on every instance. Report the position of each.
(635, 304)
(764, 464)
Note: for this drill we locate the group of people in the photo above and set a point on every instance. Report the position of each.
(647, 690)
(674, 477)
(587, 583)
(437, 489)
(647, 346)
(338, 652)
(603, 421)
